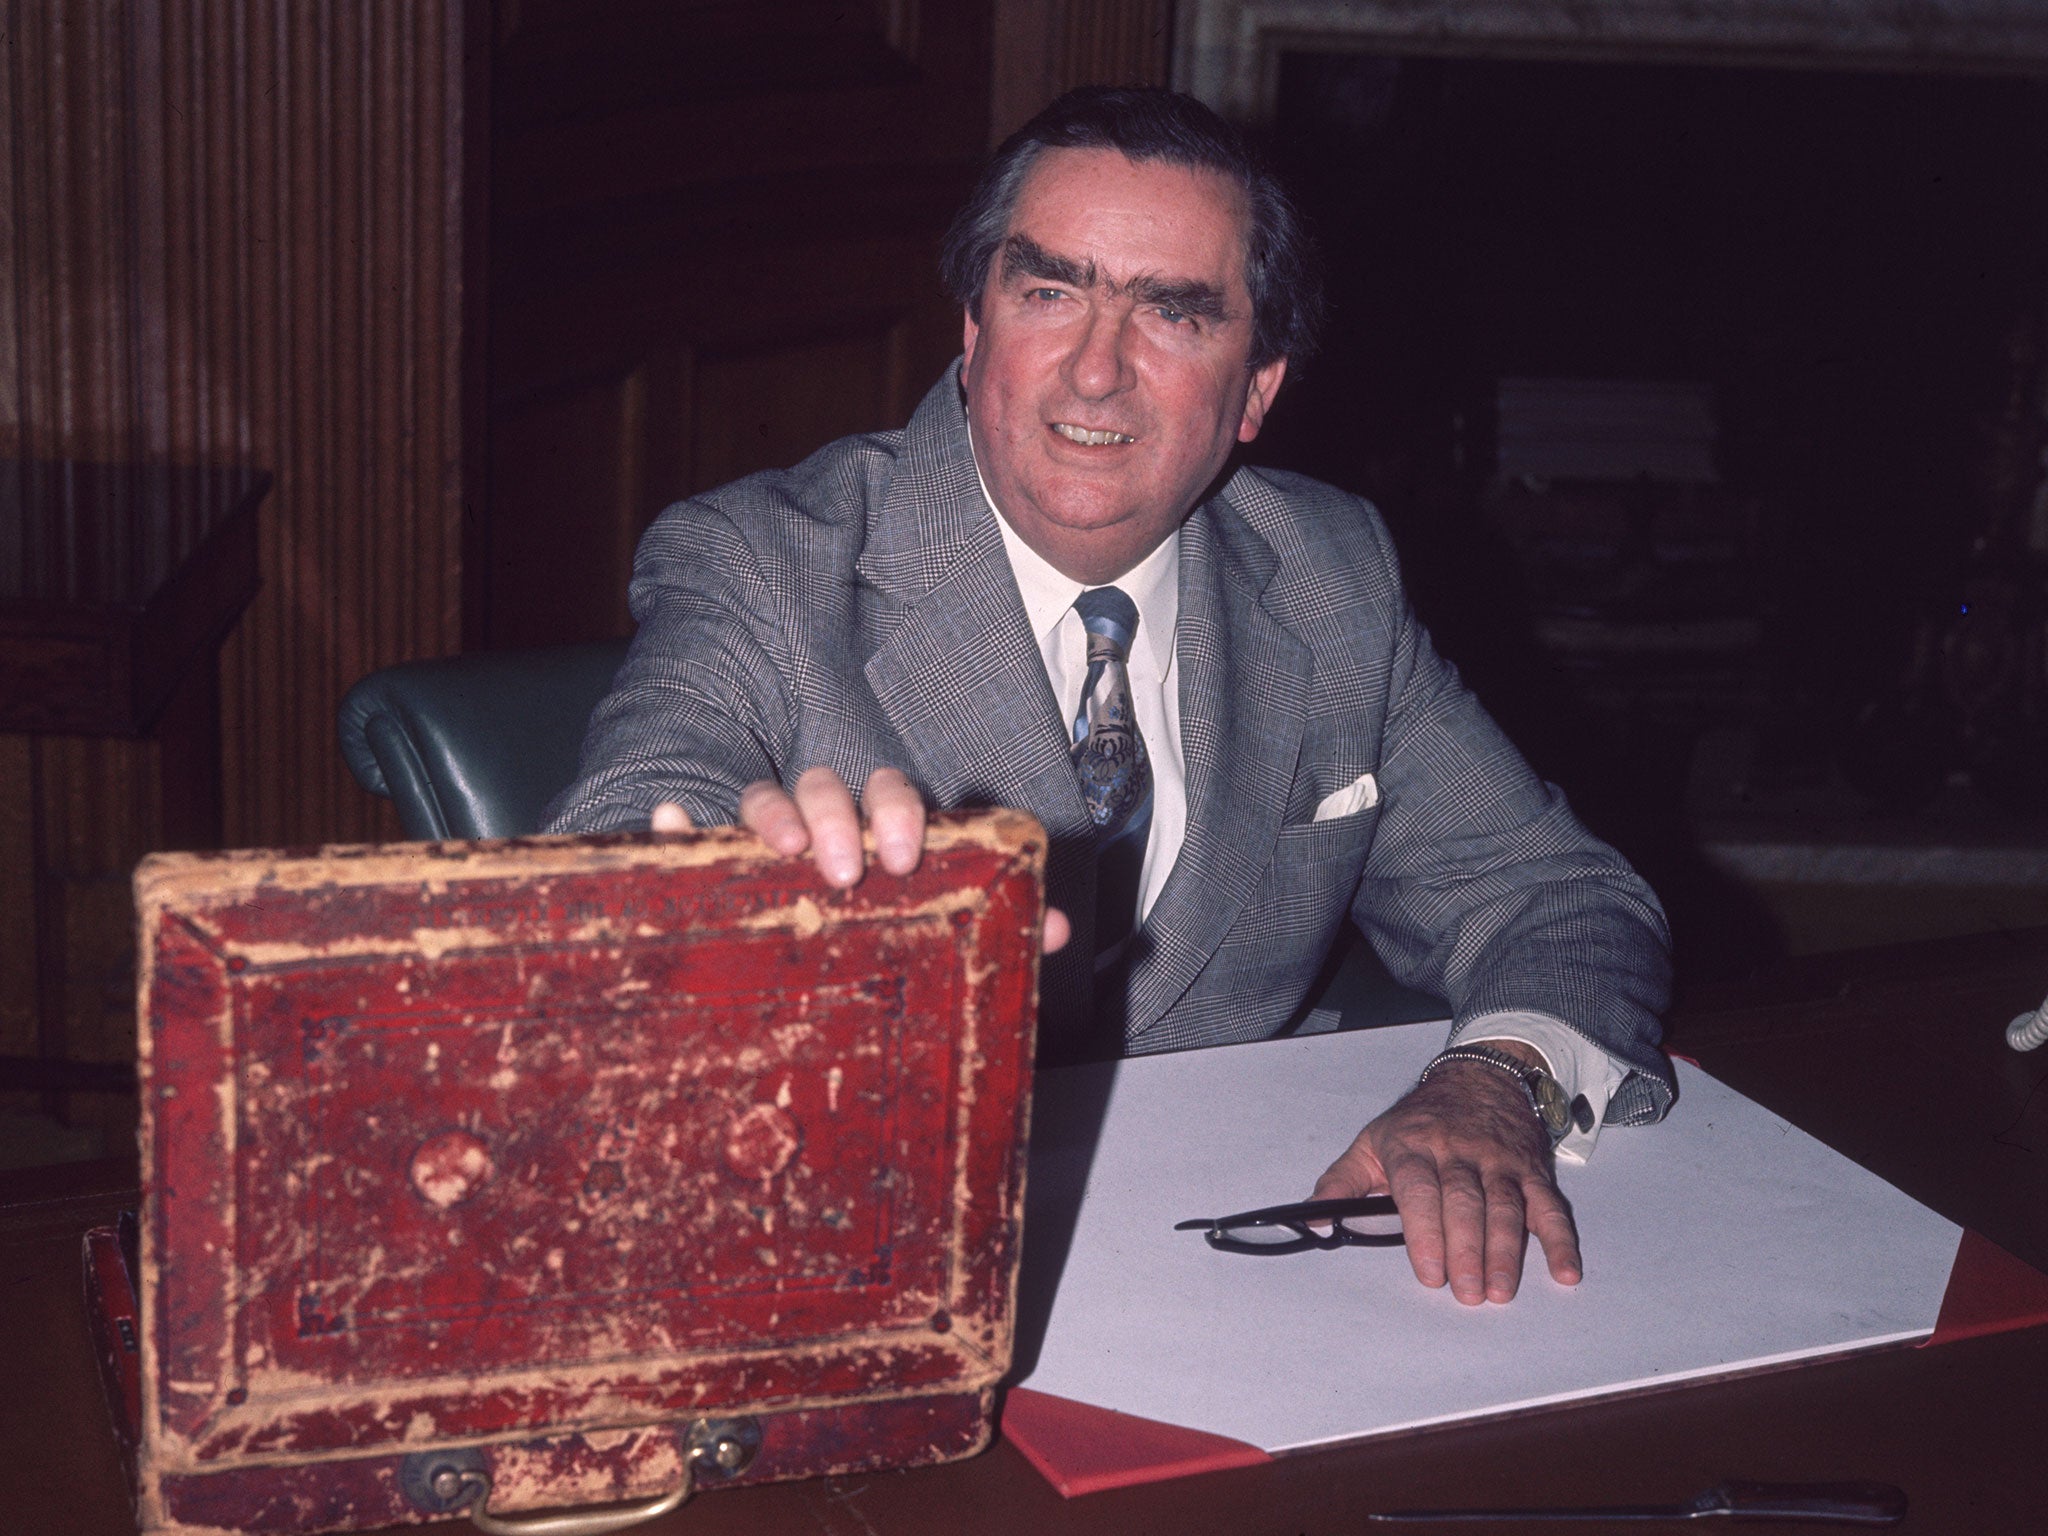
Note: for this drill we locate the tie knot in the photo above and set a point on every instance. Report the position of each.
(1110, 613)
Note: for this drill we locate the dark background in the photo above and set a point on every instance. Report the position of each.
(1853, 262)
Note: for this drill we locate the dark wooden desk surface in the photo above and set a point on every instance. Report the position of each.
(1896, 1056)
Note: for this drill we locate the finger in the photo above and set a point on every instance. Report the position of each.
(1464, 1212)
(1507, 1239)
(1357, 1170)
(670, 817)
(826, 805)
(1550, 1218)
(767, 810)
(1057, 930)
(1335, 1184)
(1355, 1173)
(1418, 1196)
(895, 812)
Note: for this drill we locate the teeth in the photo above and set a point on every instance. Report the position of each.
(1092, 439)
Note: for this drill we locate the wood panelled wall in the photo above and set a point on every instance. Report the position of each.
(714, 249)
(1044, 47)
(231, 232)
(713, 244)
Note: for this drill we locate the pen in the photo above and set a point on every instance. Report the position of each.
(1813, 1503)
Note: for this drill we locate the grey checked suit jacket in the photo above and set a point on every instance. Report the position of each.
(858, 611)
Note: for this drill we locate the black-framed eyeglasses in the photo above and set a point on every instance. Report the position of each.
(1365, 1221)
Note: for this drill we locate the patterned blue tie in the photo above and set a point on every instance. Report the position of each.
(1111, 764)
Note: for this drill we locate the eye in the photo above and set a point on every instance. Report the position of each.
(1044, 295)
(1176, 317)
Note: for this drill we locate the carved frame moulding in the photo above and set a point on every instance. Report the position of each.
(1228, 51)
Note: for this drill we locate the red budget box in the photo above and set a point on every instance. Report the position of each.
(566, 1171)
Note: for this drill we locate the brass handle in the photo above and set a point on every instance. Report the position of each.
(473, 1488)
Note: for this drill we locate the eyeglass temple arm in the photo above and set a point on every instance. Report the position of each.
(1304, 1210)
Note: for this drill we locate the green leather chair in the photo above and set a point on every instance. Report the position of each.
(475, 746)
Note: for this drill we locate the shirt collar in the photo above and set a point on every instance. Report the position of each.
(1153, 584)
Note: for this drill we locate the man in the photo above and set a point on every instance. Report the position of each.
(1044, 593)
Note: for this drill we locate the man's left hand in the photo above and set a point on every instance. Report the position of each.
(1469, 1166)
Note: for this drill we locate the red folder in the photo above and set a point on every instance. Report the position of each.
(1084, 1449)
(1989, 1291)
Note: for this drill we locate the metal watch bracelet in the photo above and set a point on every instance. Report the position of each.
(1544, 1092)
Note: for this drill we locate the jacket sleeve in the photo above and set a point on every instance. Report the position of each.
(1483, 887)
(699, 710)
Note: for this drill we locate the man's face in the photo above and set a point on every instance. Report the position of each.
(1107, 379)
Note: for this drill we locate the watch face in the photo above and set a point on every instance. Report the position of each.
(1551, 1103)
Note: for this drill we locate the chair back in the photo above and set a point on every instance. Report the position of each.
(475, 746)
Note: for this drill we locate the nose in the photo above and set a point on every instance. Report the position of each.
(1099, 365)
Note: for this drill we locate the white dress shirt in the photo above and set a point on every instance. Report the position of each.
(1579, 1065)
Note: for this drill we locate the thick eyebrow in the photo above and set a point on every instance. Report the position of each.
(1201, 300)
(1025, 257)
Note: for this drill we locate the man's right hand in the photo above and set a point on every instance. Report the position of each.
(822, 818)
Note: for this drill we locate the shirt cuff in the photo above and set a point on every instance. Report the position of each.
(1580, 1067)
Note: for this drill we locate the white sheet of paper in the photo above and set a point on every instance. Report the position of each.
(1722, 1240)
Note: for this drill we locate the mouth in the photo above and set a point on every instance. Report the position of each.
(1089, 438)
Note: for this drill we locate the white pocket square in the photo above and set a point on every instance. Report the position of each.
(1361, 794)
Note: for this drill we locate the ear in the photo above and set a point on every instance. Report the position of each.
(969, 331)
(1259, 398)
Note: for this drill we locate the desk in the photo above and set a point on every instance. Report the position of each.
(1893, 1055)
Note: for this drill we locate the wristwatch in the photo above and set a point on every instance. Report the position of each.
(1546, 1094)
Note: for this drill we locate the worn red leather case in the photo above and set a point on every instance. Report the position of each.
(575, 1166)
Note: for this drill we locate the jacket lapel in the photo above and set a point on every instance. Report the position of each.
(959, 676)
(956, 670)
(1244, 688)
